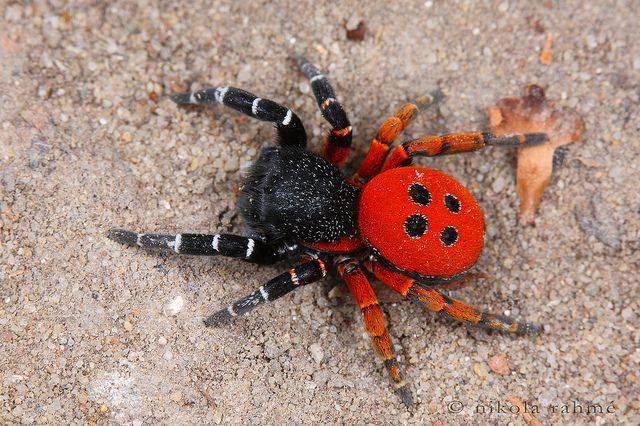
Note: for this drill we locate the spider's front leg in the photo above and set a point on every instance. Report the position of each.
(373, 319)
(289, 126)
(303, 274)
(336, 146)
(229, 245)
(432, 146)
(438, 302)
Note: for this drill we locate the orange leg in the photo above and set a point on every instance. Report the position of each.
(438, 302)
(336, 146)
(373, 318)
(459, 283)
(379, 147)
(432, 146)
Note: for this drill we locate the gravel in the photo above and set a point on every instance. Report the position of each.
(94, 332)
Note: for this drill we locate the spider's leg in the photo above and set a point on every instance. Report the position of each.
(337, 144)
(229, 245)
(438, 302)
(304, 273)
(373, 319)
(387, 133)
(288, 124)
(432, 146)
(459, 283)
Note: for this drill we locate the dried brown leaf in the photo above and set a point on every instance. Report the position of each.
(534, 113)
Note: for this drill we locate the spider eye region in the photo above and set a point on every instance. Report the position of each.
(419, 194)
(416, 225)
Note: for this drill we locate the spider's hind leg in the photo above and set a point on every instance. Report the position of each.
(456, 309)
(289, 126)
(229, 245)
(304, 273)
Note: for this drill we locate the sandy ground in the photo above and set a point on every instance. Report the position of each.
(91, 331)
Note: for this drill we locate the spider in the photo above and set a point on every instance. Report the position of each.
(415, 229)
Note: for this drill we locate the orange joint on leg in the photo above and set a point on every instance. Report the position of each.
(394, 280)
(341, 132)
(374, 159)
(373, 320)
(323, 268)
(382, 345)
(327, 102)
(462, 311)
(389, 130)
(334, 154)
(360, 288)
(406, 114)
(396, 158)
(394, 372)
(431, 298)
(294, 277)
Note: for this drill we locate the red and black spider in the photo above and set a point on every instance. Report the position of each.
(415, 229)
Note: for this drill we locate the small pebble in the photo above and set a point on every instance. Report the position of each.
(316, 353)
(499, 364)
(6, 336)
(499, 184)
(176, 397)
(480, 370)
(245, 74)
(174, 306)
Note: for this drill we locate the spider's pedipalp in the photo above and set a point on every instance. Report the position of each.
(289, 126)
(303, 274)
(229, 245)
(336, 146)
(379, 147)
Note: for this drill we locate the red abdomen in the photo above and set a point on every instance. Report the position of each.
(422, 221)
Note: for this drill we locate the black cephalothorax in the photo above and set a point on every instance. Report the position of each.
(292, 193)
